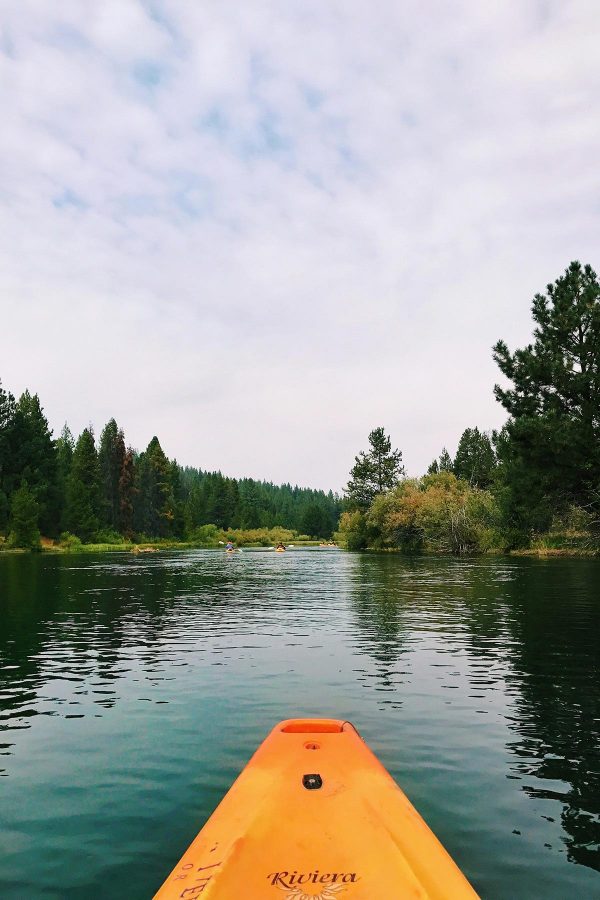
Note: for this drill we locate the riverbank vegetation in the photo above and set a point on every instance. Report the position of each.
(205, 537)
(532, 487)
(78, 492)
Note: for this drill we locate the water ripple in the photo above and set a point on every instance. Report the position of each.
(133, 690)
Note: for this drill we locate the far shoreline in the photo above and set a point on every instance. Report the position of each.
(50, 548)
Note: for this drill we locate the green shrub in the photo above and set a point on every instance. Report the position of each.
(263, 537)
(108, 536)
(70, 541)
(353, 530)
(438, 512)
(205, 535)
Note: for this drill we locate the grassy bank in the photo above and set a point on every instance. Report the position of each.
(542, 552)
(562, 542)
(575, 544)
(206, 537)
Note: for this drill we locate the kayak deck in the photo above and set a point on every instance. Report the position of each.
(315, 815)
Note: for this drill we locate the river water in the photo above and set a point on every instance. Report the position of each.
(134, 689)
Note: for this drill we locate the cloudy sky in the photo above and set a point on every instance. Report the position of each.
(259, 230)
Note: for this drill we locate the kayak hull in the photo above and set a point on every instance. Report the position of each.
(315, 816)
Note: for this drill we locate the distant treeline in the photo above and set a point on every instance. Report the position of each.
(533, 484)
(105, 491)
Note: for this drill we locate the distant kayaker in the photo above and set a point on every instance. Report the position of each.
(229, 546)
(280, 546)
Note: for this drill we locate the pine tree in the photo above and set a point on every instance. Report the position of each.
(4, 511)
(445, 461)
(83, 489)
(154, 508)
(375, 471)
(126, 494)
(24, 517)
(250, 504)
(110, 459)
(194, 513)
(65, 445)
(216, 499)
(232, 503)
(333, 508)
(141, 495)
(33, 458)
(178, 521)
(7, 415)
(314, 522)
(475, 460)
(551, 448)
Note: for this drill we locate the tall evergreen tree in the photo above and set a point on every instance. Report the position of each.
(551, 448)
(216, 500)
(445, 461)
(154, 509)
(24, 517)
(525, 504)
(475, 460)
(178, 521)
(194, 513)
(314, 522)
(65, 445)
(141, 494)
(250, 504)
(4, 512)
(232, 503)
(82, 510)
(35, 459)
(111, 455)
(375, 471)
(333, 510)
(126, 494)
(7, 417)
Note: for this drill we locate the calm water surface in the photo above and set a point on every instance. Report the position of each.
(133, 690)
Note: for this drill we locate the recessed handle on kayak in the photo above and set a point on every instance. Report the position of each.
(312, 782)
(313, 726)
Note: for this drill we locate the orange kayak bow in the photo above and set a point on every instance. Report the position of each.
(315, 816)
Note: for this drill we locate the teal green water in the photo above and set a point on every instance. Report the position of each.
(133, 690)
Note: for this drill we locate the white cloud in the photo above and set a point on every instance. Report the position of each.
(260, 230)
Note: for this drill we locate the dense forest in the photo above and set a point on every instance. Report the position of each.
(104, 491)
(536, 482)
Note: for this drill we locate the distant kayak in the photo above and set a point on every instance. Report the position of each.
(280, 549)
(315, 816)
